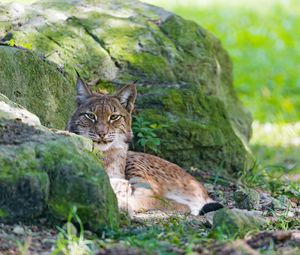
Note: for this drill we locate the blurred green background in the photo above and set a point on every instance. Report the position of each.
(262, 40)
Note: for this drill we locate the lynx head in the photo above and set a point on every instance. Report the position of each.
(104, 119)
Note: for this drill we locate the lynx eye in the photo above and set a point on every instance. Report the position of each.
(90, 116)
(114, 117)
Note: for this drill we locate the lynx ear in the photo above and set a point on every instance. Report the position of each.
(127, 96)
(83, 92)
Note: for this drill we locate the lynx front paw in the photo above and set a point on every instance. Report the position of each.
(121, 187)
(122, 190)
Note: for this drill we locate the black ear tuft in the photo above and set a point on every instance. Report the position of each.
(126, 97)
(210, 207)
(83, 92)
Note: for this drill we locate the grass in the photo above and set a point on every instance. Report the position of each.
(277, 146)
(159, 236)
(169, 236)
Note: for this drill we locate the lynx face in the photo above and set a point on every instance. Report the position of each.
(104, 119)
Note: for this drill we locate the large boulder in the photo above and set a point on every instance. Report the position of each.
(43, 174)
(183, 74)
(39, 86)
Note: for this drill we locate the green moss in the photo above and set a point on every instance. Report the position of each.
(147, 64)
(79, 182)
(36, 85)
(197, 59)
(60, 208)
(108, 87)
(188, 34)
(204, 135)
(125, 42)
(24, 194)
(3, 213)
(96, 210)
(229, 223)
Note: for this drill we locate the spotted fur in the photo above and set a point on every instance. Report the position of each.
(148, 181)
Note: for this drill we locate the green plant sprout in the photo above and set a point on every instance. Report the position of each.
(68, 242)
(146, 134)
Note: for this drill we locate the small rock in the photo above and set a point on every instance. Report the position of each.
(236, 223)
(290, 214)
(266, 201)
(296, 236)
(19, 230)
(88, 234)
(239, 247)
(247, 199)
(120, 250)
(282, 236)
(209, 187)
(267, 239)
(282, 202)
(48, 242)
(278, 205)
(209, 216)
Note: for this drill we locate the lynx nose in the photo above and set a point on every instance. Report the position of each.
(101, 131)
(101, 134)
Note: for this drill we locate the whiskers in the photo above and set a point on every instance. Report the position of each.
(110, 136)
(92, 135)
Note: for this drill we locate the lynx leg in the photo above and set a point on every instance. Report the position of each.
(122, 189)
(142, 197)
(134, 196)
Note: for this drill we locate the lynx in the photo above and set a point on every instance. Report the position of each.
(141, 181)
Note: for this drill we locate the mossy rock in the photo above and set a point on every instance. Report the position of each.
(247, 198)
(37, 85)
(43, 174)
(183, 75)
(234, 223)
